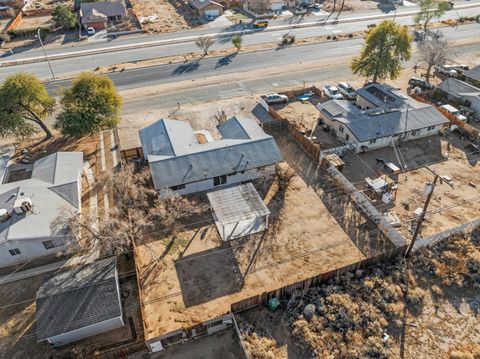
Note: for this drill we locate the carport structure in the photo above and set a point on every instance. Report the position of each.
(238, 211)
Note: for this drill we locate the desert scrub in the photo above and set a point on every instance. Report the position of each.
(261, 347)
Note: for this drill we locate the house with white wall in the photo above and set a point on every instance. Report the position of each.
(463, 92)
(78, 303)
(30, 207)
(380, 116)
(179, 162)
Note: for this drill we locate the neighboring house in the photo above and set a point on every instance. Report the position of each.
(31, 201)
(206, 7)
(79, 303)
(179, 162)
(265, 6)
(473, 76)
(460, 91)
(380, 115)
(100, 14)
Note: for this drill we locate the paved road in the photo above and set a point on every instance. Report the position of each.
(67, 67)
(160, 74)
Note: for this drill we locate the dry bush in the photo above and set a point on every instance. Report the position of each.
(284, 177)
(261, 347)
(461, 355)
(221, 116)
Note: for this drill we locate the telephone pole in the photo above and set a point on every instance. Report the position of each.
(422, 217)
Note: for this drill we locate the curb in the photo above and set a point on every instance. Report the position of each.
(215, 36)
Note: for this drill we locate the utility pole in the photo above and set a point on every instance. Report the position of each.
(422, 217)
(45, 53)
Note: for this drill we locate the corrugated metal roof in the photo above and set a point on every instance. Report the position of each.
(202, 161)
(77, 298)
(473, 73)
(457, 88)
(371, 124)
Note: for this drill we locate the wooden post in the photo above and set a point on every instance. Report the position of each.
(422, 217)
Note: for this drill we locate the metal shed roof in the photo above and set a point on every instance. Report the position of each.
(236, 203)
(77, 298)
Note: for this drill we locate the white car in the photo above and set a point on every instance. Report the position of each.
(347, 90)
(90, 31)
(274, 98)
(454, 111)
(332, 92)
(447, 70)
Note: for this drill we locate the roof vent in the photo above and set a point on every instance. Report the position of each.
(4, 215)
(23, 205)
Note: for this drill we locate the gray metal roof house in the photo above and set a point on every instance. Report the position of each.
(179, 162)
(473, 75)
(78, 303)
(379, 115)
(457, 90)
(30, 207)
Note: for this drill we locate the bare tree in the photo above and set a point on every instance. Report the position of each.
(137, 214)
(204, 43)
(433, 51)
(221, 116)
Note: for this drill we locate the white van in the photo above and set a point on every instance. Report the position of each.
(454, 111)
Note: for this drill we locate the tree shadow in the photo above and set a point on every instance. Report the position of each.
(210, 274)
(186, 68)
(226, 60)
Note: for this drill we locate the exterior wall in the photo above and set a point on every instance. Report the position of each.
(207, 184)
(29, 249)
(335, 125)
(86, 332)
(210, 7)
(97, 25)
(475, 105)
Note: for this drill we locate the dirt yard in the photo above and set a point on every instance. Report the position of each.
(192, 276)
(449, 207)
(30, 22)
(164, 15)
(426, 307)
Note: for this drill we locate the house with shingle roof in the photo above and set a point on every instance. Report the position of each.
(473, 76)
(181, 163)
(99, 14)
(206, 7)
(32, 198)
(380, 115)
(78, 303)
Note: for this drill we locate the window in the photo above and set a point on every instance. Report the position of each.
(176, 188)
(347, 137)
(373, 141)
(53, 243)
(341, 129)
(217, 181)
(430, 128)
(15, 252)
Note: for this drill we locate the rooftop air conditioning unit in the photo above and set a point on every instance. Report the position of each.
(4, 215)
(23, 205)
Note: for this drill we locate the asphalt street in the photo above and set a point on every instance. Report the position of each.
(160, 74)
(66, 67)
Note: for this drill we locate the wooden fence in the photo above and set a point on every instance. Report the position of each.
(131, 153)
(15, 22)
(303, 285)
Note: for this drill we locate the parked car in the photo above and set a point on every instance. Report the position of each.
(446, 70)
(332, 92)
(260, 24)
(317, 6)
(275, 98)
(347, 91)
(460, 68)
(423, 84)
(90, 31)
(454, 111)
(209, 17)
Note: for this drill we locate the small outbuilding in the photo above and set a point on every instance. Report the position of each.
(206, 7)
(238, 211)
(79, 303)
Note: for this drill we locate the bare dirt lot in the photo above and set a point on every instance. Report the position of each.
(34, 22)
(424, 308)
(164, 15)
(447, 156)
(192, 276)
